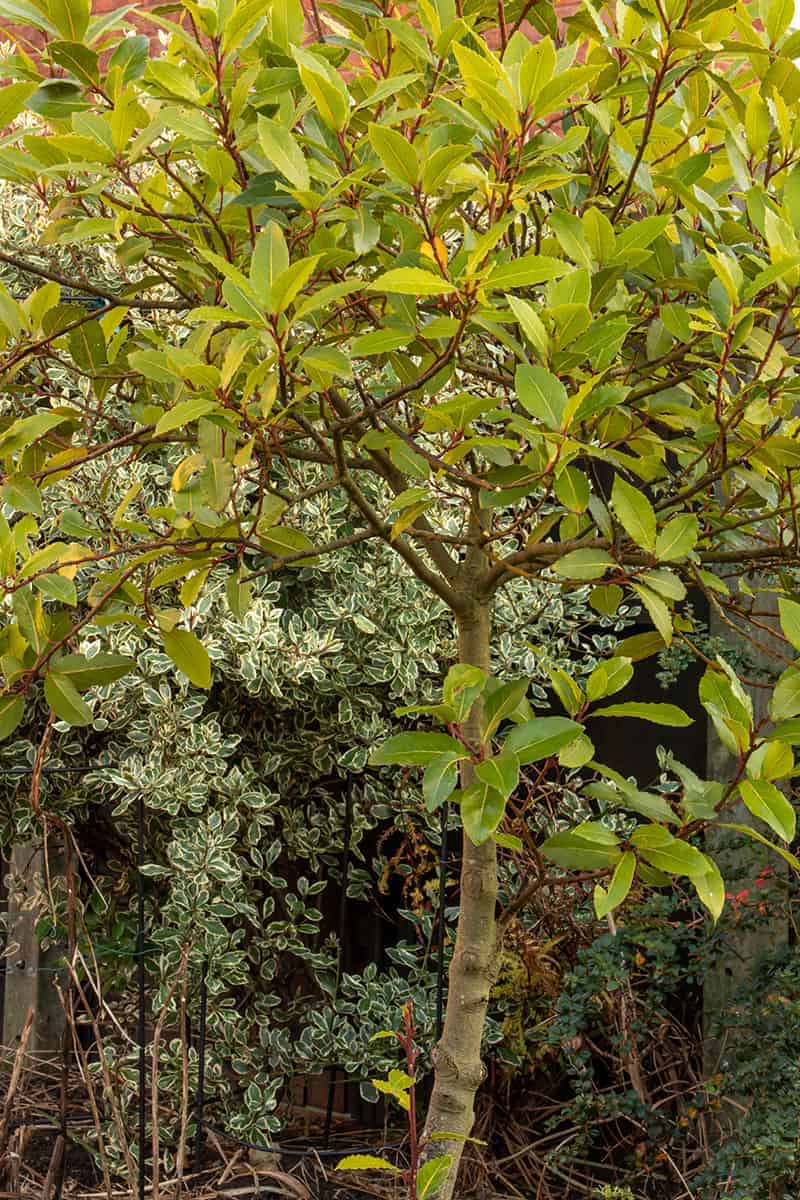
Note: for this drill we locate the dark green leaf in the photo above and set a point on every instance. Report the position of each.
(540, 738)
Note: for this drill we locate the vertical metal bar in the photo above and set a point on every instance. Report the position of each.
(201, 1070)
(342, 933)
(441, 930)
(142, 997)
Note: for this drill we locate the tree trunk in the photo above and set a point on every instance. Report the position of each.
(458, 1069)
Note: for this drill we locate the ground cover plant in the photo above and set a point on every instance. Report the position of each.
(513, 296)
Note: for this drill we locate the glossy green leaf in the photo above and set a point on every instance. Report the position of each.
(523, 272)
(482, 810)
(501, 703)
(77, 59)
(635, 513)
(658, 847)
(284, 542)
(584, 564)
(500, 773)
(786, 855)
(789, 611)
(441, 778)
(540, 738)
(412, 281)
(730, 713)
(542, 395)
(365, 1162)
(677, 538)
(587, 847)
(71, 17)
(606, 901)
(415, 749)
(381, 341)
(396, 153)
(785, 699)
(710, 889)
(12, 710)
(189, 655)
(12, 101)
(770, 805)
(326, 87)
(431, 1176)
(607, 678)
(462, 686)
(658, 611)
(183, 414)
(283, 152)
(655, 713)
(65, 700)
(100, 669)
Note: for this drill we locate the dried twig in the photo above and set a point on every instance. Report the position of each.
(13, 1083)
(53, 1171)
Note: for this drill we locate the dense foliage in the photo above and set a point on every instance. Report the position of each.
(324, 678)
(502, 313)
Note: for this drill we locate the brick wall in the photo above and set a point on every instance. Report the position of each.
(31, 38)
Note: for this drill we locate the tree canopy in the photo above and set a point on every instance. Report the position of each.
(512, 295)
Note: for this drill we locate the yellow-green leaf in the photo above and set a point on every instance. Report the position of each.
(584, 564)
(365, 1162)
(606, 901)
(65, 700)
(396, 153)
(189, 655)
(656, 714)
(770, 805)
(412, 281)
(635, 513)
(283, 152)
(12, 709)
(184, 413)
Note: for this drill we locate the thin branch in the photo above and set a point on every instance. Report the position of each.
(21, 264)
(547, 553)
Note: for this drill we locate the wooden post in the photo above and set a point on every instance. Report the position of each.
(30, 971)
(740, 863)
